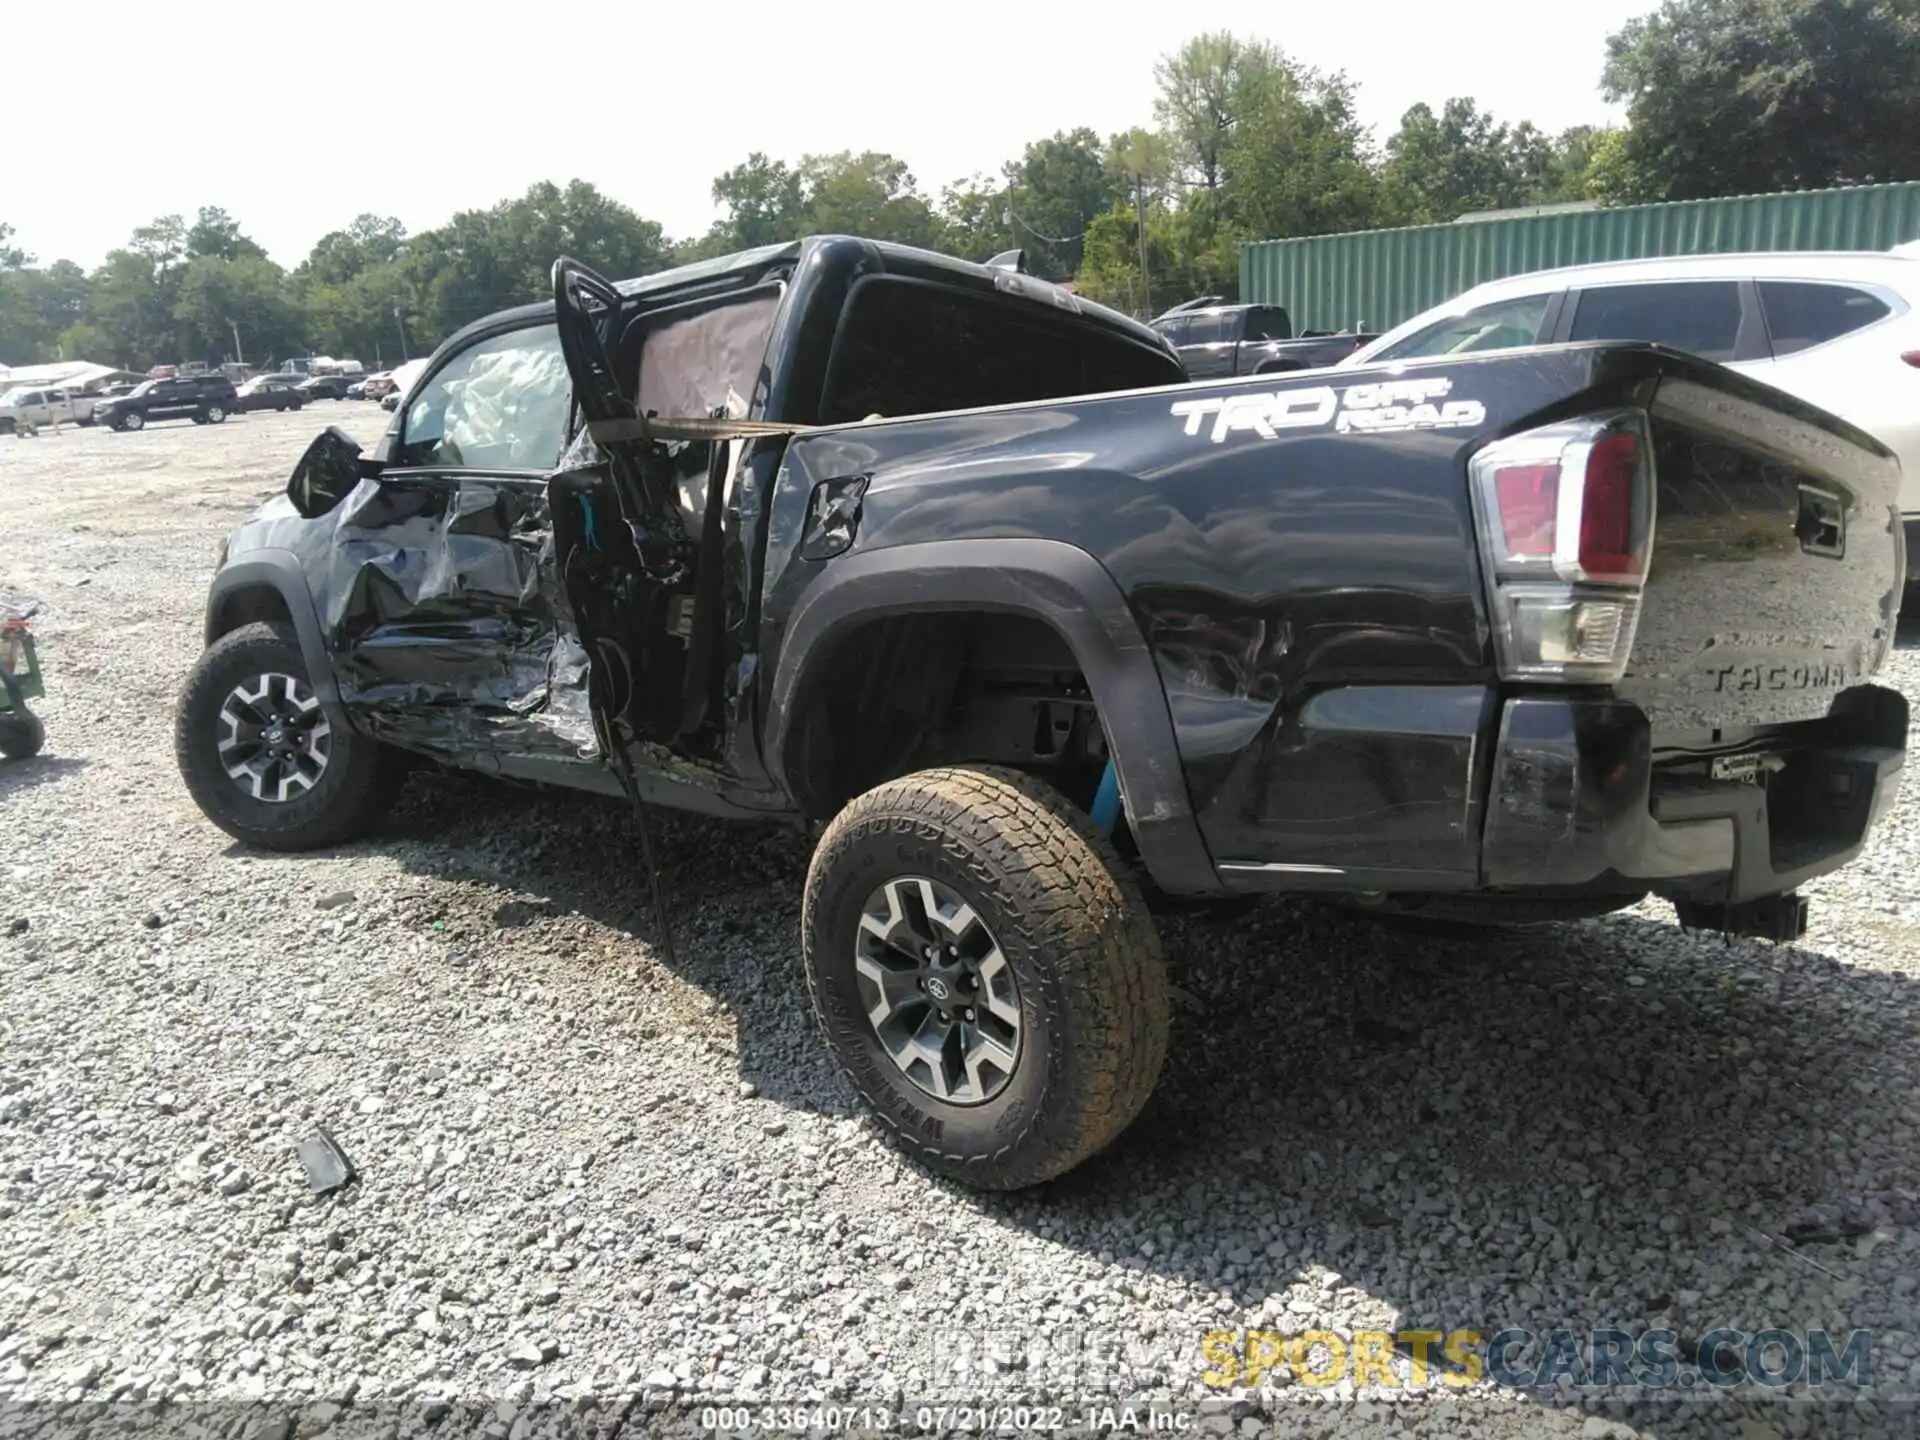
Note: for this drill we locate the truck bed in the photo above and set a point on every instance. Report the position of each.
(1299, 555)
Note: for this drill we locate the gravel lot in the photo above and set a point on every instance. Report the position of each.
(585, 1173)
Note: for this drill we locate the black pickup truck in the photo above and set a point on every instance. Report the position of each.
(964, 570)
(1214, 339)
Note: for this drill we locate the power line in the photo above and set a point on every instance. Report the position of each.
(1014, 215)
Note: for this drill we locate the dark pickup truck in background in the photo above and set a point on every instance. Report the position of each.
(962, 569)
(1214, 339)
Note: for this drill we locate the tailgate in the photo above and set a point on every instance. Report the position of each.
(1778, 561)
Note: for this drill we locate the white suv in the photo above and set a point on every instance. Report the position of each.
(1841, 330)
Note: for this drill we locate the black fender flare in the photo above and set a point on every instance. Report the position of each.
(280, 572)
(1064, 587)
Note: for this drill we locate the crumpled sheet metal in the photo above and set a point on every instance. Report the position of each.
(446, 620)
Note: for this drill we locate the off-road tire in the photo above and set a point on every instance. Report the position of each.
(1068, 920)
(21, 734)
(357, 785)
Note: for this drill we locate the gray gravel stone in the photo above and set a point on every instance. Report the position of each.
(528, 1354)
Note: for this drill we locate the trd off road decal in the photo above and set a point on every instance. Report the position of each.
(1387, 406)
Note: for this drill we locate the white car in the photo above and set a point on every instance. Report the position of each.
(27, 407)
(1839, 329)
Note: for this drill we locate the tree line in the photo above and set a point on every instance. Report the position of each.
(1721, 97)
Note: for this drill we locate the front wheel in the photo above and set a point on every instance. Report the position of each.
(133, 420)
(259, 755)
(985, 974)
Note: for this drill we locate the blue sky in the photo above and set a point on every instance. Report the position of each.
(296, 118)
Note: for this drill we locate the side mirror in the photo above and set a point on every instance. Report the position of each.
(327, 472)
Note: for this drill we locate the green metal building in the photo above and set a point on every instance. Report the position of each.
(1372, 279)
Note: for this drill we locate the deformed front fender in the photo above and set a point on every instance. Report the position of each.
(278, 571)
(1067, 589)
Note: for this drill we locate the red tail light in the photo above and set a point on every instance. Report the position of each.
(1912, 357)
(1606, 507)
(1529, 497)
(1565, 518)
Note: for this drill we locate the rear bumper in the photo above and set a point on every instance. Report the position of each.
(1456, 790)
(1577, 802)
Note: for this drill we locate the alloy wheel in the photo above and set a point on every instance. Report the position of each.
(275, 742)
(939, 994)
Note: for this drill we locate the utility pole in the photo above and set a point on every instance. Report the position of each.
(1140, 210)
(400, 320)
(238, 357)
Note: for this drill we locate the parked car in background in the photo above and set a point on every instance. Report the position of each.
(402, 378)
(324, 387)
(1215, 340)
(25, 407)
(203, 399)
(1840, 329)
(378, 385)
(268, 392)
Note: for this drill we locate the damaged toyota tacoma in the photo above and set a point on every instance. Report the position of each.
(963, 569)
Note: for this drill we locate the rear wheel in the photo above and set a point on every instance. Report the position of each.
(215, 414)
(259, 755)
(985, 974)
(21, 734)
